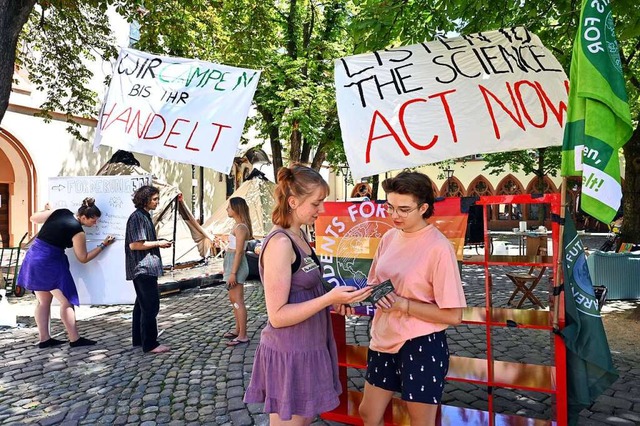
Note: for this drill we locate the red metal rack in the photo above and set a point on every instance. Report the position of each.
(487, 372)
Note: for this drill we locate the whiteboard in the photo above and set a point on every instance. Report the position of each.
(102, 280)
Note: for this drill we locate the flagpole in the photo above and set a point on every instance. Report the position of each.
(562, 401)
(557, 276)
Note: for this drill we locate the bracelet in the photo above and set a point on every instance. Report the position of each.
(408, 305)
(102, 246)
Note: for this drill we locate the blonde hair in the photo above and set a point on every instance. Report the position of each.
(298, 181)
(239, 205)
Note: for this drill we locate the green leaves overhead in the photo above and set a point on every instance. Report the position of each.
(539, 162)
(57, 44)
(293, 42)
(380, 24)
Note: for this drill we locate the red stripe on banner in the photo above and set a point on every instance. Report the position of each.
(351, 209)
(447, 207)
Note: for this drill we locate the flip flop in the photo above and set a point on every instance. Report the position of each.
(229, 335)
(236, 342)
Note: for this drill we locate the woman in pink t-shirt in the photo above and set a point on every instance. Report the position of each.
(408, 349)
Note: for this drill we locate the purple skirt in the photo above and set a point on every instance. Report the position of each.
(295, 368)
(45, 268)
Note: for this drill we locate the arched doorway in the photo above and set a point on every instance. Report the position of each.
(452, 187)
(478, 187)
(548, 187)
(507, 216)
(540, 213)
(20, 187)
(7, 179)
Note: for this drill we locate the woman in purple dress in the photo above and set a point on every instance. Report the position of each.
(295, 371)
(45, 269)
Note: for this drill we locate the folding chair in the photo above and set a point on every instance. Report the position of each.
(601, 294)
(10, 262)
(526, 282)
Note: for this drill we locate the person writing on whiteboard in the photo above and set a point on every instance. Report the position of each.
(408, 350)
(144, 266)
(45, 269)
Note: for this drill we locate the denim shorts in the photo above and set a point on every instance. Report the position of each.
(243, 270)
(417, 371)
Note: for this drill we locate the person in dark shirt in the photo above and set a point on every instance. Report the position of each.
(144, 266)
(45, 269)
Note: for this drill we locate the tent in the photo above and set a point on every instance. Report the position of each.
(258, 193)
(191, 241)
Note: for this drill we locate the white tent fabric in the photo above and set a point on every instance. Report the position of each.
(192, 243)
(258, 193)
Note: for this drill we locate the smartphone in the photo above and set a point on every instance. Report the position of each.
(379, 291)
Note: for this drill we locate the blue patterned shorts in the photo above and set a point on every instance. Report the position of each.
(417, 371)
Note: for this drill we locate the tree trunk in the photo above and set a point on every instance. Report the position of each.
(13, 16)
(295, 141)
(276, 150)
(540, 171)
(292, 47)
(318, 159)
(631, 190)
(306, 151)
(631, 197)
(274, 140)
(375, 185)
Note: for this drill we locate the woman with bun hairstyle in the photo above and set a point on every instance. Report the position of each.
(295, 370)
(45, 269)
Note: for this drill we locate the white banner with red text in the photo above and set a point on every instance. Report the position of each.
(413, 105)
(179, 109)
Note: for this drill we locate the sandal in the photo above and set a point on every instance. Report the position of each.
(236, 342)
(229, 335)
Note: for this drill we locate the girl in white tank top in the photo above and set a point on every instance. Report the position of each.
(236, 268)
(232, 237)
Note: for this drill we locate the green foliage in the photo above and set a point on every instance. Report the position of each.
(527, 161)
(292, 42)
(380, 24)
(57, 44)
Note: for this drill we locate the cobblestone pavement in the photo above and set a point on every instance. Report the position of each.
(202, 381)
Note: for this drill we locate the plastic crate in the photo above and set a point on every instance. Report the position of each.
(618, 272)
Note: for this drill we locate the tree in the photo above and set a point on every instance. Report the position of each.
(13, 16)
(55, 42)
(293, 43)
(383, 24)
(539, 162)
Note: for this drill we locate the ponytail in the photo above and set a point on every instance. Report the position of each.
(298, 181)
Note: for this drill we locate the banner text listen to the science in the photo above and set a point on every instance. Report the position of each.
(487, 92)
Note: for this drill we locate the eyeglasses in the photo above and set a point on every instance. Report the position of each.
(400, 211)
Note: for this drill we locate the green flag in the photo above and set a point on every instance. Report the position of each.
(598, 116)
(589, 366)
